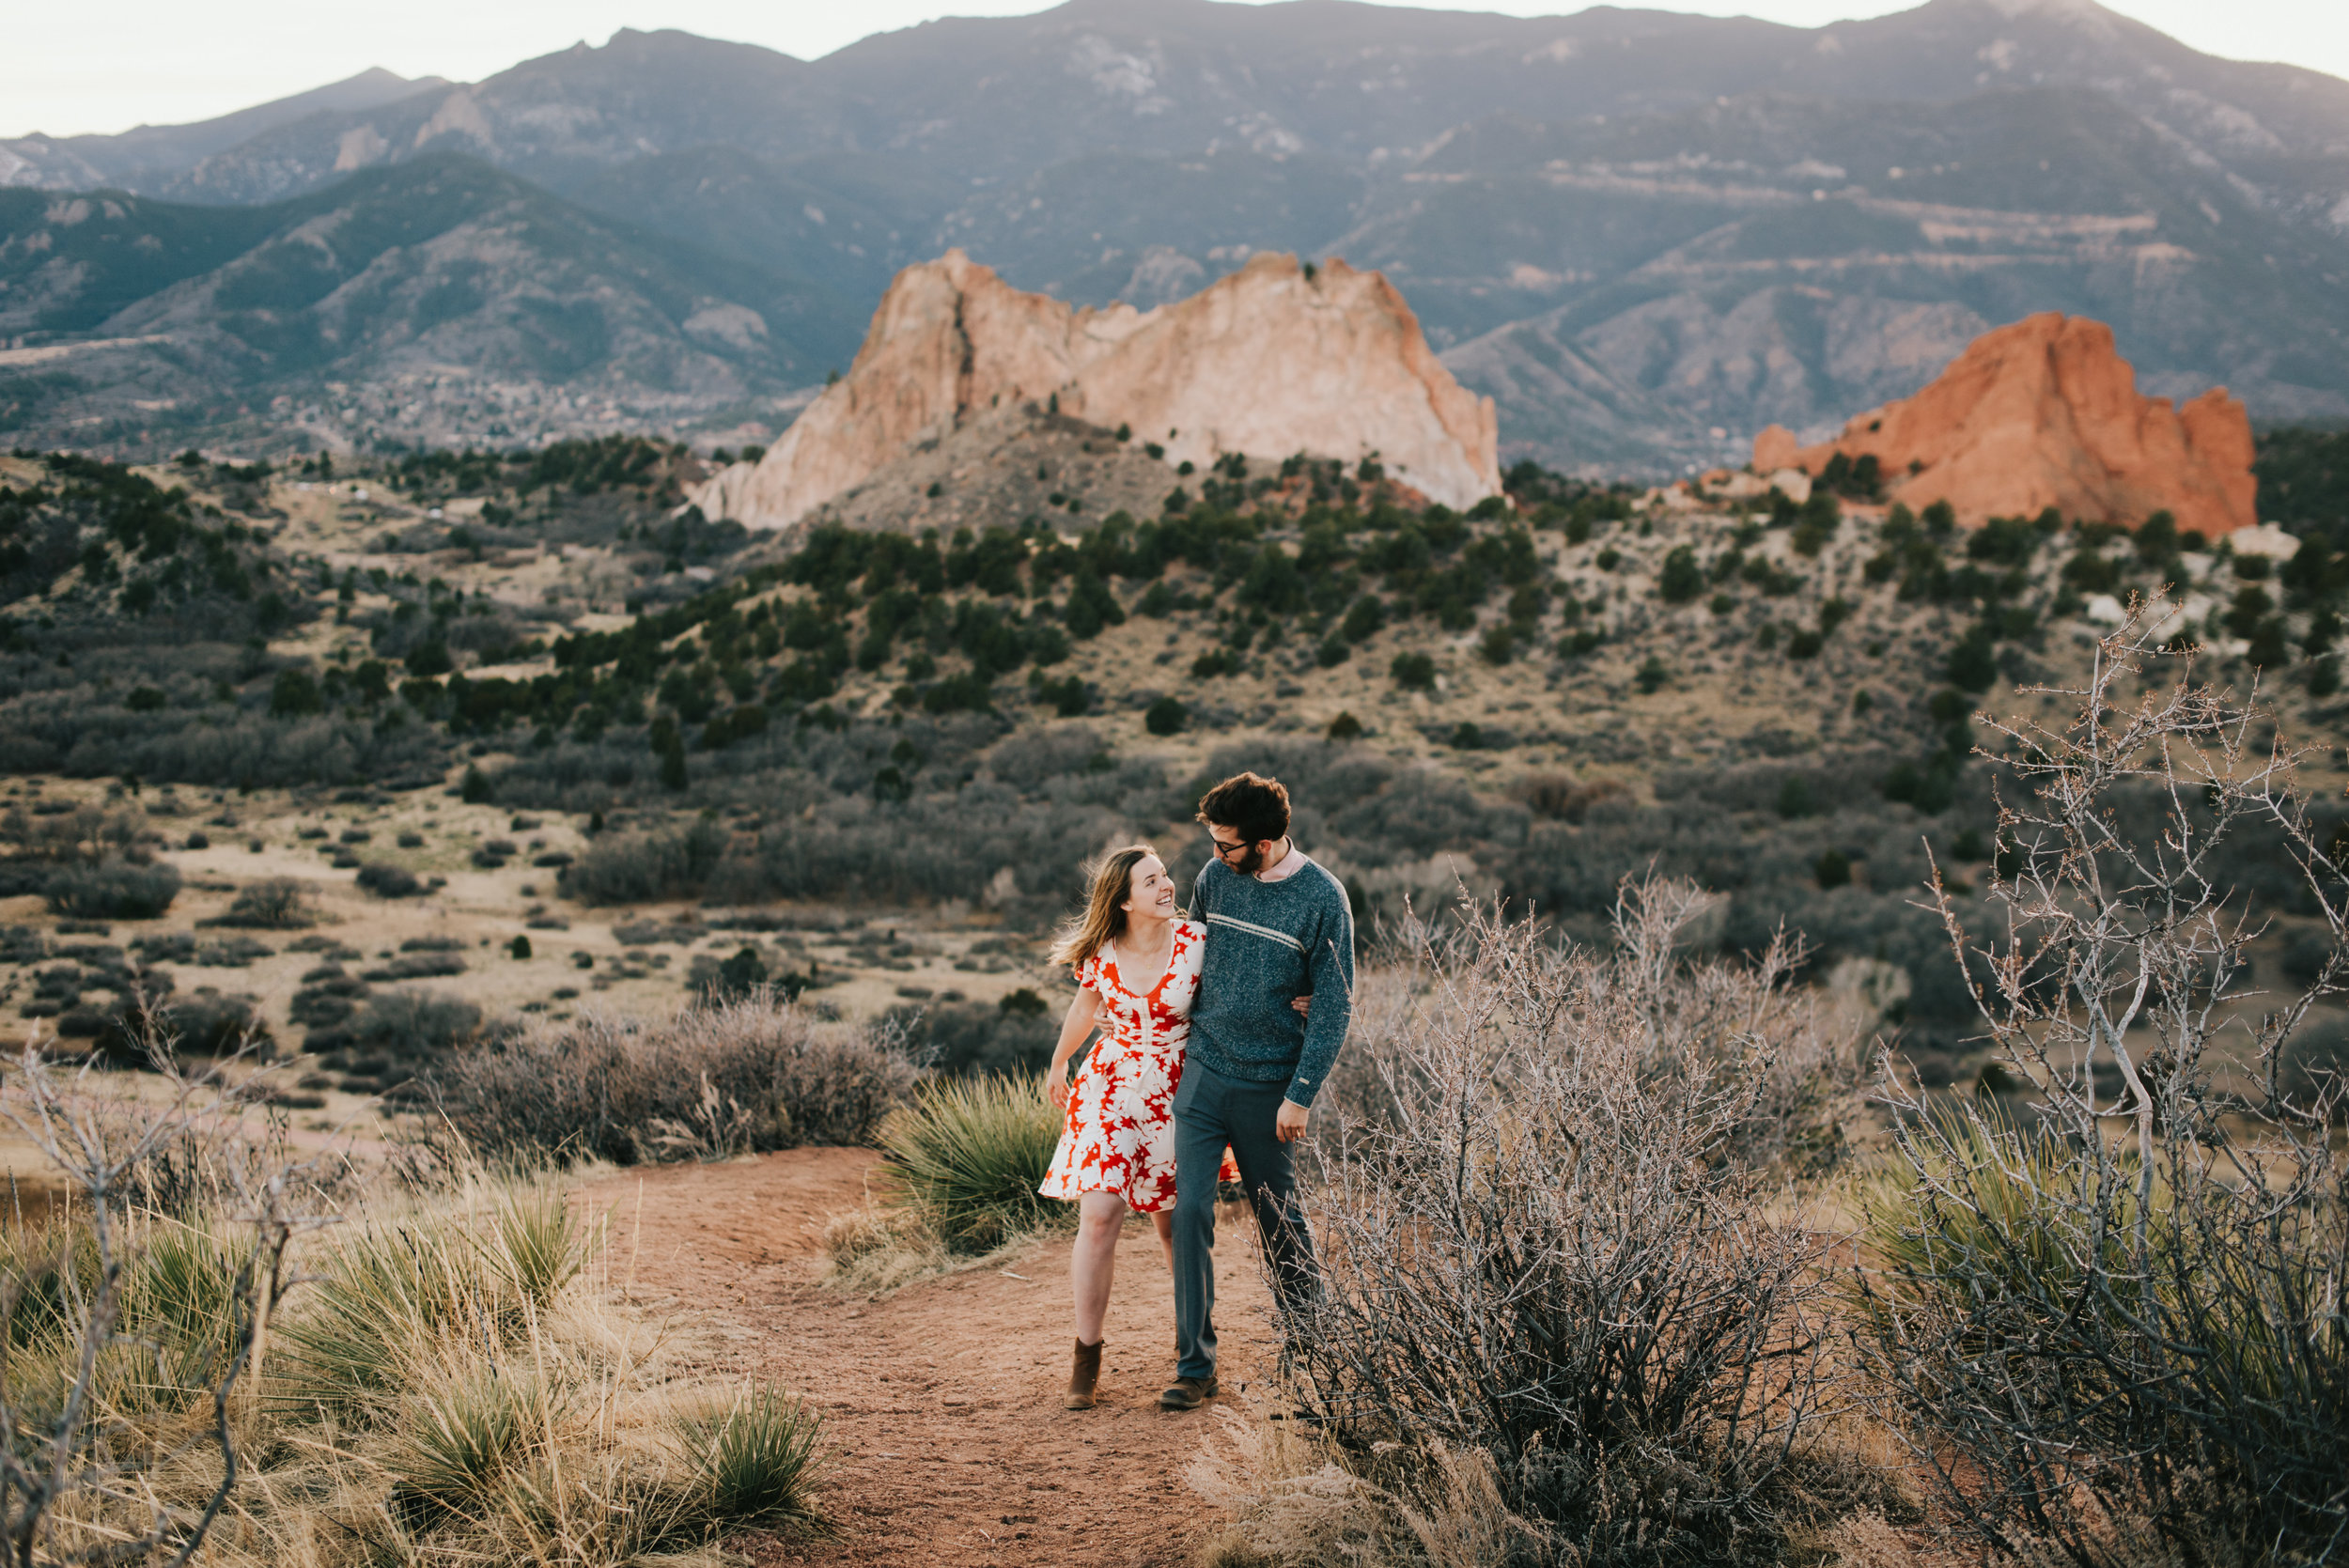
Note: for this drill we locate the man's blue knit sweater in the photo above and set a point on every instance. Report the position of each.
(1268, 944)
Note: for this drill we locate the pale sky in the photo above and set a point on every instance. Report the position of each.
(112, 64)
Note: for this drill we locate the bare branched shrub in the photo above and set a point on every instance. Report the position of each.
(111, 1311)
(271, 903)
(2114, 1330)
(1802, 1060)
(1550, 1242)
(637, 868)
(203, 1024)
(706, 1082)
(87, 834)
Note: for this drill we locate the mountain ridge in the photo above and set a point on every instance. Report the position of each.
(124, 157)
(440, 300)
(1632, 228)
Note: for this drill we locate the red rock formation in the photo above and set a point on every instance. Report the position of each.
(1267, 362)
(2042, 413)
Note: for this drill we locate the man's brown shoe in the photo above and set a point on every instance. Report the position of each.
(1188, 1393)
(1084, 1377)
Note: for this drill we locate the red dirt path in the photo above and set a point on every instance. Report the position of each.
(943, 1403)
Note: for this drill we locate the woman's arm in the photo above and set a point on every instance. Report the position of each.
(1083, 1014)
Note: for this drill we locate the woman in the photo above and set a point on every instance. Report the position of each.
(1137, 964)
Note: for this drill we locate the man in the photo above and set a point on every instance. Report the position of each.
(1278, 928)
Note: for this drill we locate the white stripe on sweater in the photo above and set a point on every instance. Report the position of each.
(1264, 931)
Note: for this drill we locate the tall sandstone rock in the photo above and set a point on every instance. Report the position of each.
(2044, 412)
(1267, 362)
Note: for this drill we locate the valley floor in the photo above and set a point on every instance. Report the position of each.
(940, 1402)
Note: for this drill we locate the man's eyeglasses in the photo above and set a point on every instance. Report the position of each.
(1225, 851)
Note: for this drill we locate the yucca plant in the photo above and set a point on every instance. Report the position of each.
(573, 1508)
(180, 1303)
(755, 1459)
(381, 1292)
(2020, 1222)
(537, 1244)
(457, 1441)
(970, 1153)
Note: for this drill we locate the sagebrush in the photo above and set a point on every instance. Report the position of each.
(1552, 1247)
(754, 1074)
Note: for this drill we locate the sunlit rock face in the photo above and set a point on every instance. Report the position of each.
(1272, 360)
(2044, 412)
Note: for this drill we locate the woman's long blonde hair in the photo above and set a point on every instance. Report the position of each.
(1103, 920)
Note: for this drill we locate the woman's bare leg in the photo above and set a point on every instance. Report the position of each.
(1164, 1222)
(1101, 1216)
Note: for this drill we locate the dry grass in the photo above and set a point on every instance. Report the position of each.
(1292, 1498)
(877, 1250)
(1865, 1540)
(460, 1383)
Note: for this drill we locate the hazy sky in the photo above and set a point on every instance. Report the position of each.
(65, 70)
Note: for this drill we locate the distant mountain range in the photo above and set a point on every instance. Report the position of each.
(1646, 234)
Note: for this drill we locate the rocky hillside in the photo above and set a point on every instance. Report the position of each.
(438, 302)
(1631, 230)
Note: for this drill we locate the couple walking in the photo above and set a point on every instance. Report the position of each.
(1217, 1030)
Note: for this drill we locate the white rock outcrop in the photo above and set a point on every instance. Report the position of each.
(1268, 361)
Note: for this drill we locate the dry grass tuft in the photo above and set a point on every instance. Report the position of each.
(1288, 1499)
(1294, 1499)
(1865, 1540)
(877, 1251)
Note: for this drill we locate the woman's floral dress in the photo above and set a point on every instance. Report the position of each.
(1120, 1136)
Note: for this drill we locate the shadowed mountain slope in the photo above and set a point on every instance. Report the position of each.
(439, 300)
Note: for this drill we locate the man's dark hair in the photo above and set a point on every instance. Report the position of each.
(1255, 808)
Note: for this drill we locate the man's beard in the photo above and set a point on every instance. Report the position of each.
(1252, 862)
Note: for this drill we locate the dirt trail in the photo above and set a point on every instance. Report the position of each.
(943, 1403)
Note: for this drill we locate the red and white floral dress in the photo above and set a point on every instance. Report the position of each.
(1120, 1136)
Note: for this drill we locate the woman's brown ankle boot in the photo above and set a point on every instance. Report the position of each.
(1082, 1378)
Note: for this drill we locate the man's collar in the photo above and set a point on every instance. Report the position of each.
(1285, 867)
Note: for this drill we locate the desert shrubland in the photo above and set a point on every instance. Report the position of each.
(1580, 1308)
